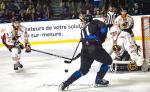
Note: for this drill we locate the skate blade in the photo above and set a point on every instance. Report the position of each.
(99, 85)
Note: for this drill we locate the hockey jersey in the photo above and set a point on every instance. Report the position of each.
(95, 30)
(124, 41)
(11, 37)
(124, 23)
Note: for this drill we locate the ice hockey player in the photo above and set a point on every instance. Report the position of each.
(121, 41)
(93, 35)
(12, 40)
(125, 22)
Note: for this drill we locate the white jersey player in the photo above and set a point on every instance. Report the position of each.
(12, 40)
(121, 41)
(125, 22)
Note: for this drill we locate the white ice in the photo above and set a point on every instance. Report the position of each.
(44, 73)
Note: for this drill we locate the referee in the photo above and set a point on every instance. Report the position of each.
(110, 17)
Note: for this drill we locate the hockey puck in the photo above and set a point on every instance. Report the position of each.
(66, 70)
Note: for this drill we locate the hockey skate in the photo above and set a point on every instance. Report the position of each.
(62, 86)
(18, 67)
(15, 67)
(101, 83)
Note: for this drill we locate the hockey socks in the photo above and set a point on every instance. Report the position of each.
(76, 75)
(99, 81)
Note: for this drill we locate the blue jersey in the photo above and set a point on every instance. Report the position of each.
(95, 30)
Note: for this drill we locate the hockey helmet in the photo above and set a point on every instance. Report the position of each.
(88, 18)
(114, 28)
(15, 25)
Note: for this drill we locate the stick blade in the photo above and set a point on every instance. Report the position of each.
(68, 62)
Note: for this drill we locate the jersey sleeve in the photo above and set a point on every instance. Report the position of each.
(103, 33)
(131, 22)
(25, 35)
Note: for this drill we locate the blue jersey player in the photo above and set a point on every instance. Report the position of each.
(93, 35)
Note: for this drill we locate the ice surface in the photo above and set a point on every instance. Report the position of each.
(43, 73)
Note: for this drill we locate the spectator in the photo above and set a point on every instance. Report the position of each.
(7, 16)
(2, 6)
(98, 3)
(136, 8)
(27, 16)
(1, 18)
(36, 7)
(74, 15)
(31, 9)
(98, 14)
(45, 17)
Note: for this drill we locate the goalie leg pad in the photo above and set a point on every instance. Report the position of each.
(139, 60)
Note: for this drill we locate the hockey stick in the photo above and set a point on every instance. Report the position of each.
(76, 57)
(77, 47)
(51, 54)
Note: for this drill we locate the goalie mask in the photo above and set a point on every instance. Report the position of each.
(114, 31)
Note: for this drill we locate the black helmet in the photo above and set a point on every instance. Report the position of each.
(88, 18)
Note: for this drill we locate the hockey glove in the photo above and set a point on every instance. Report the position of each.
(27, 47)
(116, 48)
(19, 44)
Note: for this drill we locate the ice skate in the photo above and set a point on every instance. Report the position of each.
(62, 86)
(15, 67)
(18, 67)
(101, 83)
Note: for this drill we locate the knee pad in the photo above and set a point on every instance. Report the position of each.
(15, 53)
(104, 67)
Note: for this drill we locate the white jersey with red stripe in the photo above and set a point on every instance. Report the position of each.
(10, 37)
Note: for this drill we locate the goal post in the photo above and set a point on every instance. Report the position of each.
(145, 24)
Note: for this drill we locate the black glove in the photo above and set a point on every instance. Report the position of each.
(27, 47)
